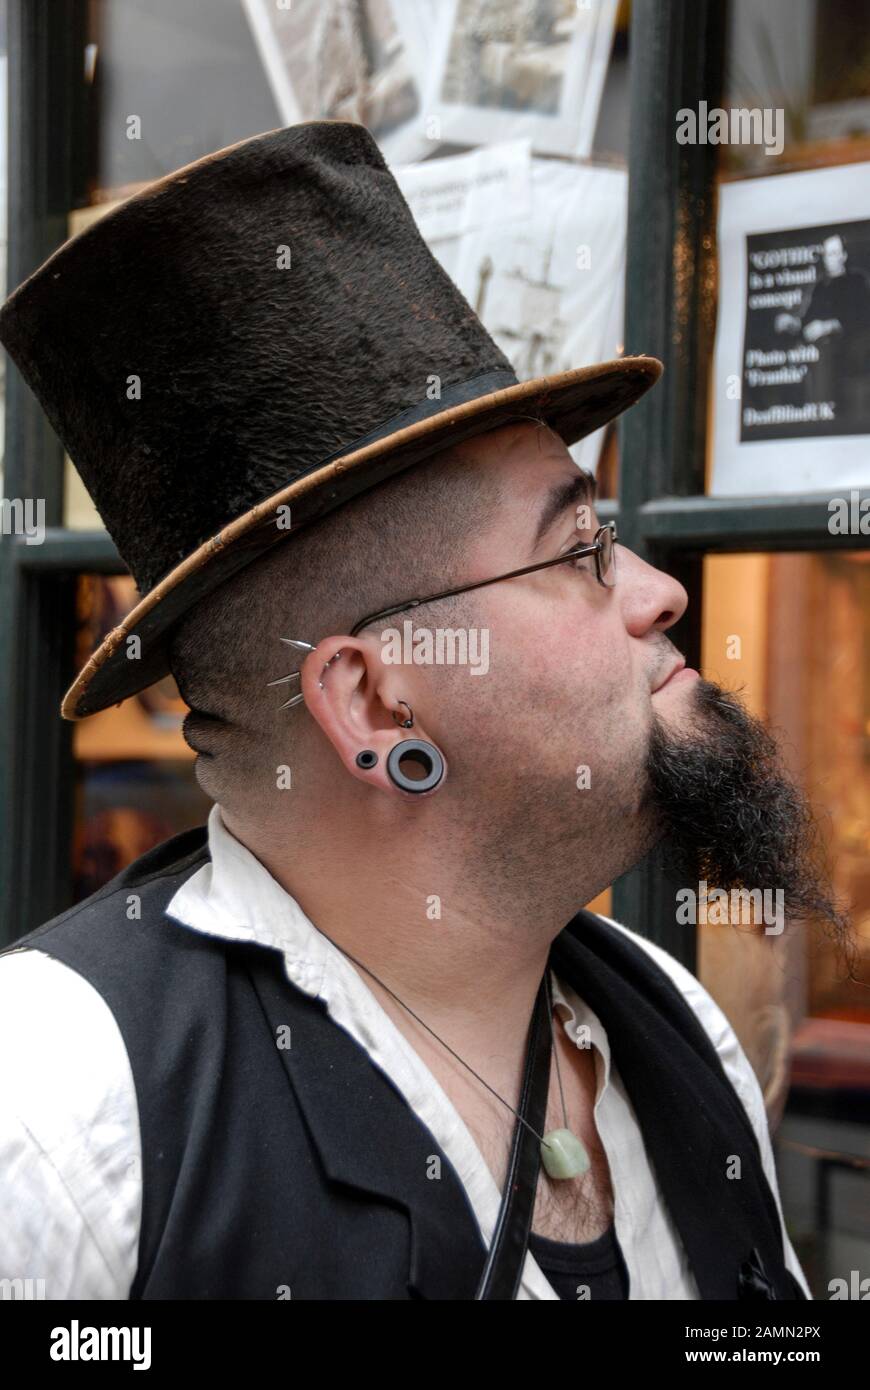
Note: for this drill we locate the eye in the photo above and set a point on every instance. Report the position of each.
(581, 562)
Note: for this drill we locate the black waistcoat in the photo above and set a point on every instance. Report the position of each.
(273, 1171)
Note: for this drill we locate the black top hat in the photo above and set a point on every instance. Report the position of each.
(260, 330)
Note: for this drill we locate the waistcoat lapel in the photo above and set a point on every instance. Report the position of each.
(692, 1120)
(369, 1138)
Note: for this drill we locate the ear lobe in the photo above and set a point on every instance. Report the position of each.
(411, 768)
(415, 767)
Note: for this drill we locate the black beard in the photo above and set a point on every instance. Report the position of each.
(730, 815)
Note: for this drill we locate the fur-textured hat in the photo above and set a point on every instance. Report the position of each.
(245, 345)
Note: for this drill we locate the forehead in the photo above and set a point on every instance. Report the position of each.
(526, 460)
(526, 457)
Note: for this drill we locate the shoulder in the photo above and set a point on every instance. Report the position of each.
(120, 939)
(139, 890)
(69, 1133)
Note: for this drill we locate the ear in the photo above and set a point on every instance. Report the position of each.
(353, 695)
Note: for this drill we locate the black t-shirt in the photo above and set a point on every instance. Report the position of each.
(599, 1263)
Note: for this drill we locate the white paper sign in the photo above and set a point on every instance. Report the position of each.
(336, 60)
(791, 388)
(468, 192)
(544, 273)
(511, 69)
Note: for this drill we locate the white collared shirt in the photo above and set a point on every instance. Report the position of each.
(70, 1151)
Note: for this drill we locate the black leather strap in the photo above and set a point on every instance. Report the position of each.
(507, 1252)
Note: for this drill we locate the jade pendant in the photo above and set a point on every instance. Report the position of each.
(563, 1154)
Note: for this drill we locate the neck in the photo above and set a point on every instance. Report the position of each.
(460, 941)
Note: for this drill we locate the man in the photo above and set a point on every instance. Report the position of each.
(835, 317)
(293, 1048)
(839, 301)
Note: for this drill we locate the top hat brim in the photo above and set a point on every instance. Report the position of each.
(574, 403)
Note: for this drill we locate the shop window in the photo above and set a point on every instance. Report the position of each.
(791, 632)
(135, 784)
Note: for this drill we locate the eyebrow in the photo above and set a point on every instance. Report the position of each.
(570, 493)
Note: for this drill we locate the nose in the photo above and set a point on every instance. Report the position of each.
(650, 599)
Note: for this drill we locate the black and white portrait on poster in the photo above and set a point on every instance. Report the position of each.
(806, 344)
(791, 391)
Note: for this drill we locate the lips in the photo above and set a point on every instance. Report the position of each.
(680, 665)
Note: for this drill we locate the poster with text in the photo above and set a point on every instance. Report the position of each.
(791, 391)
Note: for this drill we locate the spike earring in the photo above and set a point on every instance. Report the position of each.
(294, 675)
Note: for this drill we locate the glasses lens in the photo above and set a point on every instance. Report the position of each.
(606, 557)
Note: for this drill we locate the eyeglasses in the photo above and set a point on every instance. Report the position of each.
(602, 547)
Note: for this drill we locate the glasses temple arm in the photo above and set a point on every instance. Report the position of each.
(478, 584)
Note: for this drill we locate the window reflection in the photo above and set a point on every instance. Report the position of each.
(792, 631)
(135, 784)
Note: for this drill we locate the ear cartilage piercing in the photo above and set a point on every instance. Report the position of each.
(328, 664)
(294, 675)
(427, 757)
(367, 758)
(407, 723)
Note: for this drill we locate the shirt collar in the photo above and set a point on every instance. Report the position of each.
(234, 896)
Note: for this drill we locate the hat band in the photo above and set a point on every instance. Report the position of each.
(458, 394)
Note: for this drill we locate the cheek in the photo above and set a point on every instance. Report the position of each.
(590, 665)
(579, 693)
(556, 675)
(595, 690)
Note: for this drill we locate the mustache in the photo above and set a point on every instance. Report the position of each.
(730, 815)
